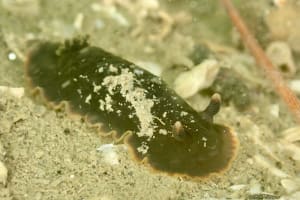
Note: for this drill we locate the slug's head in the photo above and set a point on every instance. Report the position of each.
(200, 153)
(197, 149)
(203, 136)
(201, 142)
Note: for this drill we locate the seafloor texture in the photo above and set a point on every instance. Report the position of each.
(47, 155)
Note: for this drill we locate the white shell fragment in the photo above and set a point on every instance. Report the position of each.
(17, 92)
(281, 56)
(3, 173)
(200, 77)
(109, 154)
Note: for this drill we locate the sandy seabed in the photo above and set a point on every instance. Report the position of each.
(51, 156)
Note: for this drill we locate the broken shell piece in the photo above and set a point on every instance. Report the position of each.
(200, 77)
(281, 56)
(3, 173)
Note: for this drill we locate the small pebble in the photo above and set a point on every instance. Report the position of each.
(255, 188)
(109, 154)
(281, 56)
(12, 56)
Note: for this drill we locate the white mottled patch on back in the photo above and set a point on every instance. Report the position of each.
(96, 88)
(101, 104)
(88, 99)
(113, 69)
(163, 131)
(136, 96)
(65, 84)
(108, 103)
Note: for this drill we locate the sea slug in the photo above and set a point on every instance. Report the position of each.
(137, 107)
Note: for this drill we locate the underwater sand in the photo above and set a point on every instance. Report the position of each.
(51, 156)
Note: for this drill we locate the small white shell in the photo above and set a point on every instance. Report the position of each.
(200, 77)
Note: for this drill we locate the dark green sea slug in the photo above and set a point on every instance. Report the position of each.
(137, 107)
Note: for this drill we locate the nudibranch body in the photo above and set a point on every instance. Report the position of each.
(159, 127)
